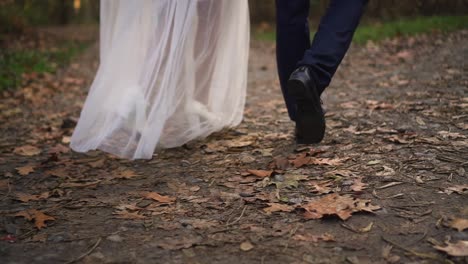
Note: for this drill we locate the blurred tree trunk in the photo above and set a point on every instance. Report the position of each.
(262, 11)
(63, 11)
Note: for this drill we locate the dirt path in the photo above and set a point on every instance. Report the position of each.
(396, 147)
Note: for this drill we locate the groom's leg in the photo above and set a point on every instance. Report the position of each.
(332, 39)
(292, 40)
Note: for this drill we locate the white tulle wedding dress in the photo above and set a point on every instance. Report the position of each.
(170, 71)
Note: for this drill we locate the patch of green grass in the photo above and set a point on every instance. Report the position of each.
(409, 27)
(16, 62)
(404, 26)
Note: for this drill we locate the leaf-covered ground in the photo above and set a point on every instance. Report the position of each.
(387, 185)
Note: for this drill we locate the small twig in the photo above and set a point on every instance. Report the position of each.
(389, 185)
(413, 205)
(8, 193)
(233, 210)
(291, 234)
(398, 195)
(91, 237)
(221, 230)
(415, 253)
(87, 253)
(237, 219)
(349, 228)
(420, 239)
(211, 183)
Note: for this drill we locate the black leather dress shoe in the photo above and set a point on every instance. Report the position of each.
(310, 119)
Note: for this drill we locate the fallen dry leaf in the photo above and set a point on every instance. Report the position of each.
(388, 256)
(340, 173)
(353, 130)
(97, 164)
(128, 215)
(301, 160)
(376, 105)
(38, 238)
(404, 55)
(27, 150)
(451, 135)
(79, 184)
(58, 172)
(4, 184)
(59, 149)
(334, 204)
(159, 198)
(314, 238)
(203, 224)
(327, 161)
(261, 173)
(239, 142)
(277, 207)
(246, 246)
(25, 170)
(194, 188)
(126, 174)
(289, 181)
(458, 249)
(459, 223)
(386, 171)
(171, 243)
(459, 189)
(321, 187)
(128, 207)
(214, 147)
(66, 140)
(24, 197)
(71, 80)
(280, 163)
(358, 185)
(39, 217)
(349, 105)
(399, 139)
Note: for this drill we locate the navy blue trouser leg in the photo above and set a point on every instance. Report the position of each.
(292, 40)
(328, 47)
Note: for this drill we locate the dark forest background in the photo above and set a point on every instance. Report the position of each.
(15, 15)
(41, 36)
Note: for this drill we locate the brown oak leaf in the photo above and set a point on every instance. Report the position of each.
(459, 223)
(27, 150)
(314, 238)
(129, 215)
(334, 204)
(459, 189)
(321, 187)
(458, 249)
(301, 160)
(277, 207)
(159, 198)
(25, 170)
(80, 184)
(24, 197)
(39, 217)
(358, 185)
(261, 173)
(327, 161)
(126, 174)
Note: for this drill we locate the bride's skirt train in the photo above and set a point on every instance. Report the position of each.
(170, 71)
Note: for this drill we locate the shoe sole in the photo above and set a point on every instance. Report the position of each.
(311, 121)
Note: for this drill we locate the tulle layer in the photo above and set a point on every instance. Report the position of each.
(170, 72)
